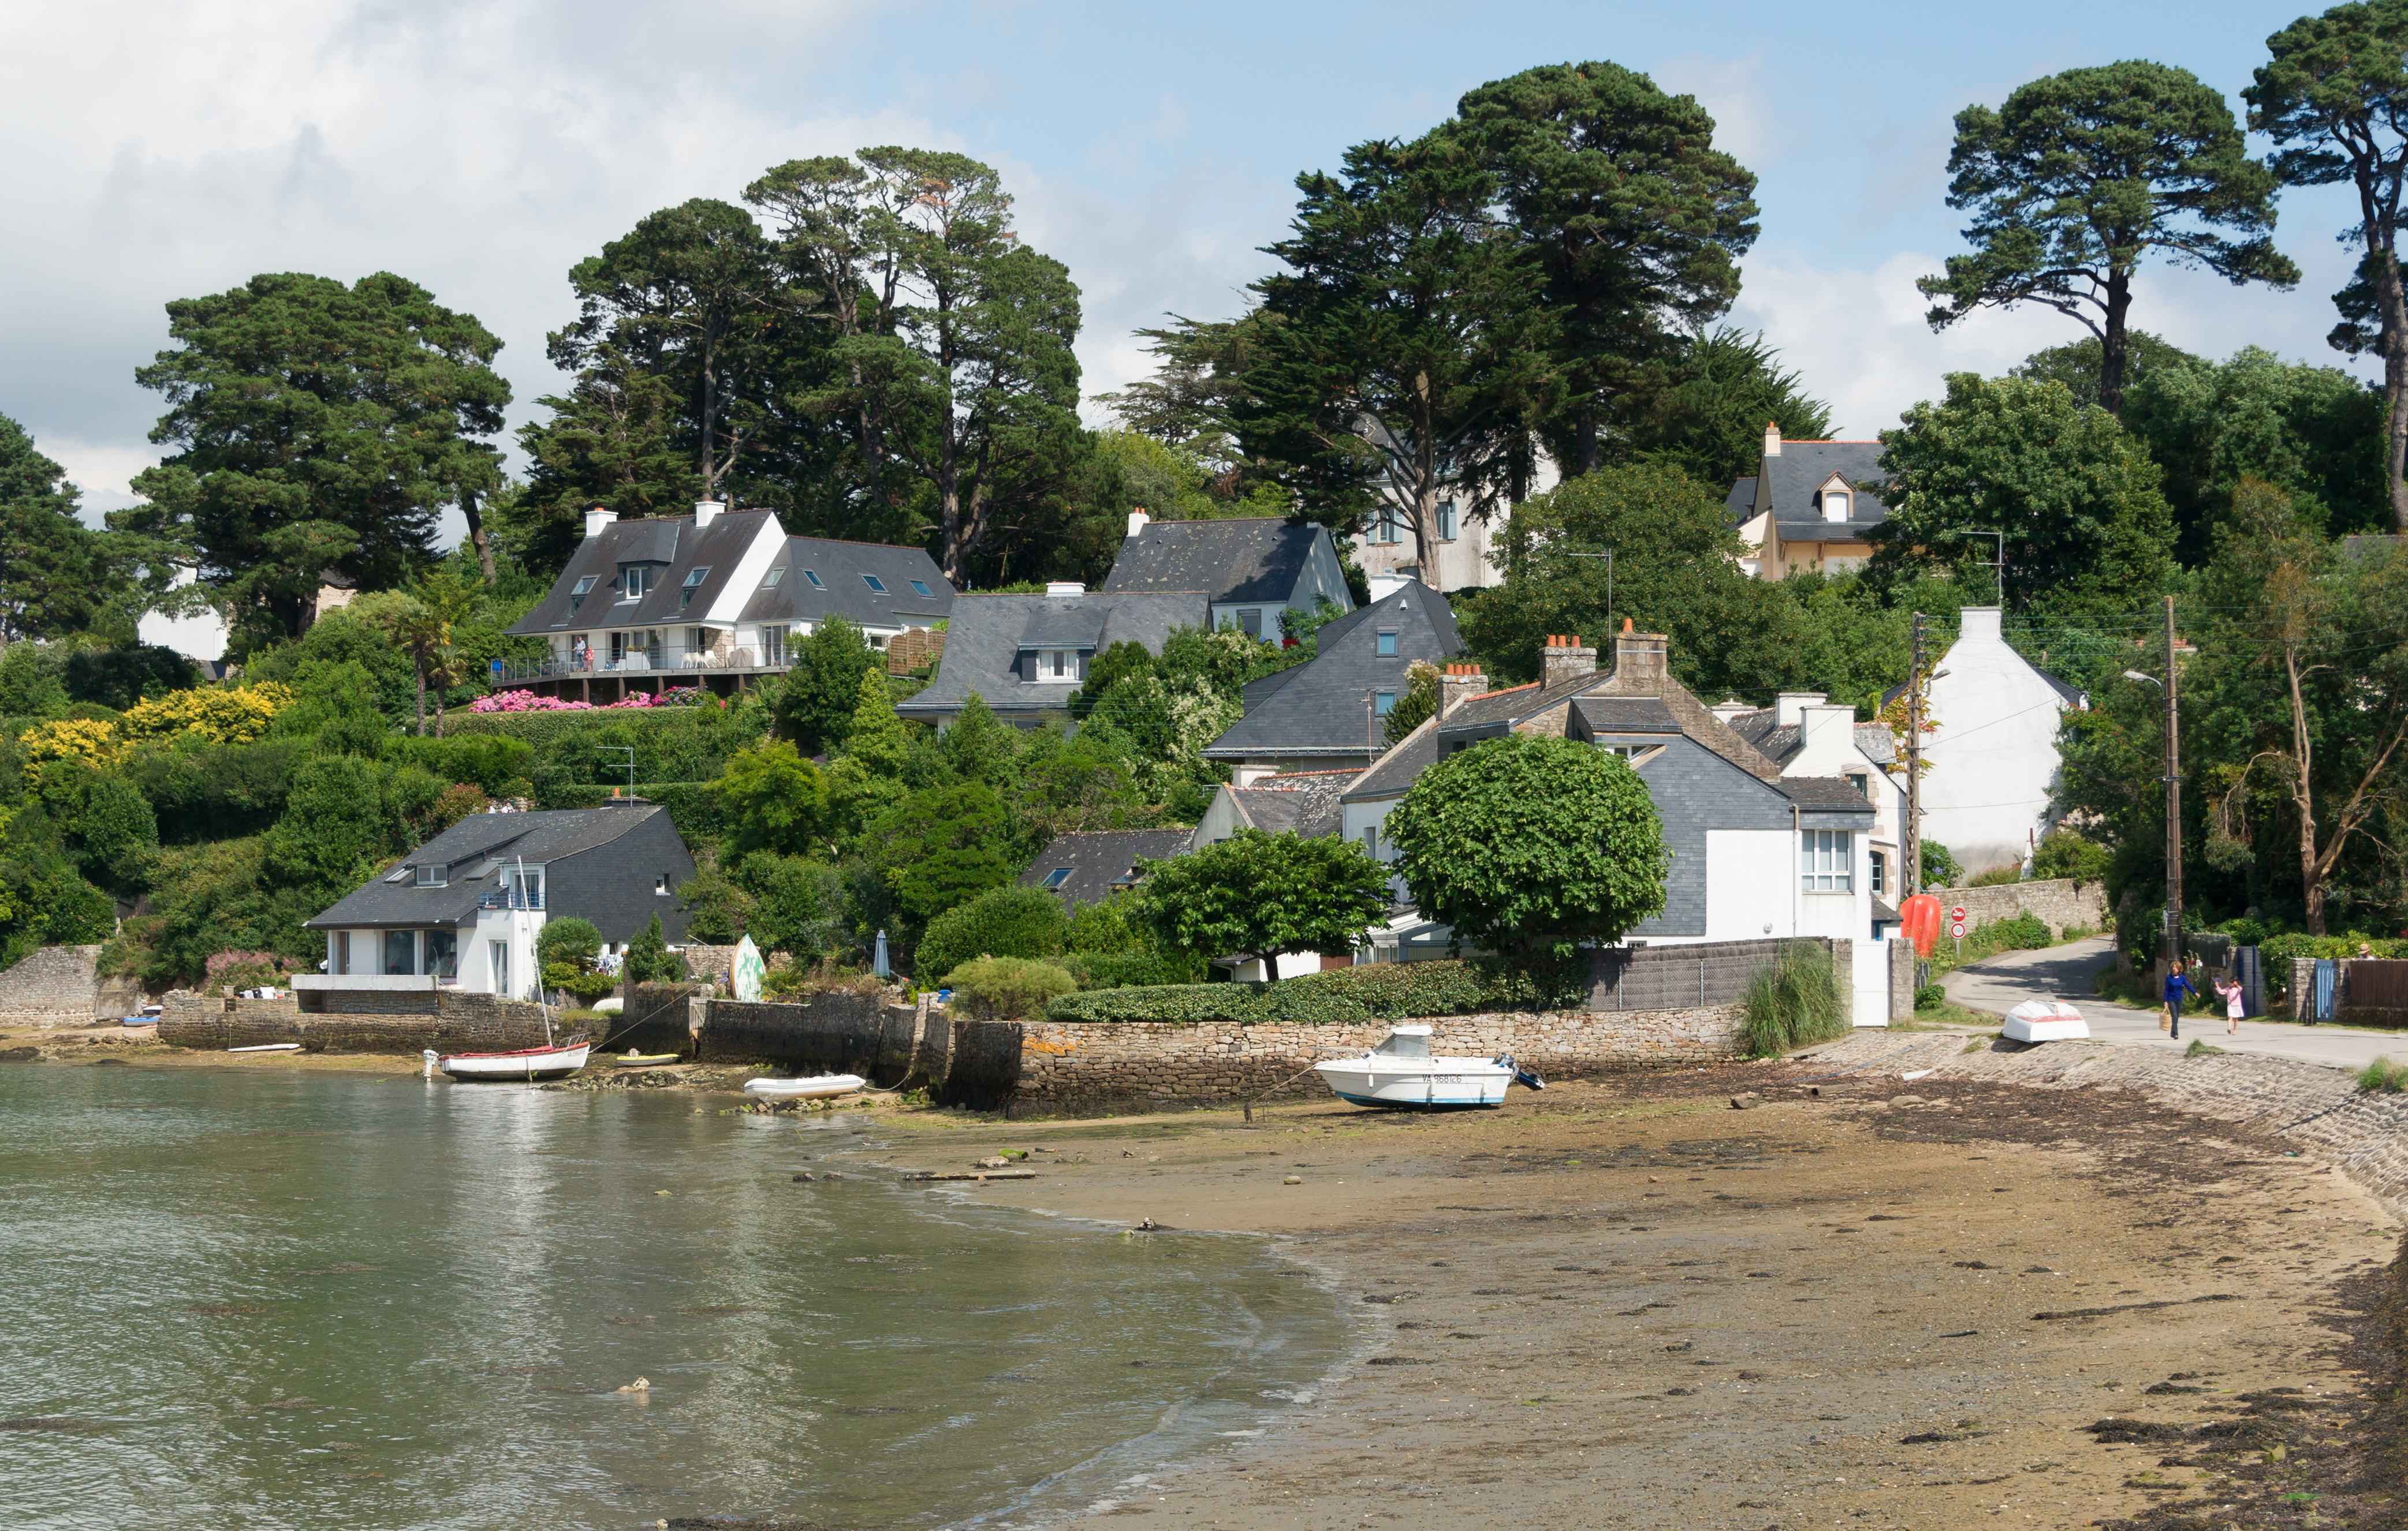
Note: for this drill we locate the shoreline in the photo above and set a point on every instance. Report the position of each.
(1622, 1300)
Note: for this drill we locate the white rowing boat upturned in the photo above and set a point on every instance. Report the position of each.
(811, 1088)
(527, 1063)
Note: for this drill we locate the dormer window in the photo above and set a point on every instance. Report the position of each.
(769, 580)
(1835, 505)
(694, 580)
(434, 876)
(814, 579)
(635, 582)
(585, 587)
(873, 582)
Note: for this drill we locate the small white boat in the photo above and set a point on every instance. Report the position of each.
(268, 1047)
(811, 1088)
(557, 1061)
(2045, 1021)
(1401, 1072)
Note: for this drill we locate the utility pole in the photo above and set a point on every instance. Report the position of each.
(2173, 802)
(1912, 829)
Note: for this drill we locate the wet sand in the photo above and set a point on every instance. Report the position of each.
(1626, 1303)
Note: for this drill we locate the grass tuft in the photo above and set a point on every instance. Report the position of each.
(2384, 1076)
(1793, 1000)
(2199, 1049)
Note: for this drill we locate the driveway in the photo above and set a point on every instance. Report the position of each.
(1997, 985)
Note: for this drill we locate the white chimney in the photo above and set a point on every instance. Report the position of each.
(1066, 587)
(1980, 625)
(1790, 705)
(1773, 438)
(1139, 521)
(707, 511)
(1826, 741)
(598, 518)
(1730, 708)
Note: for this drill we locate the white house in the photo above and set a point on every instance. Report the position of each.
(1805, 736)
(1994, 759)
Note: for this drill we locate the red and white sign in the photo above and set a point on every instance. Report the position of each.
(1957, 914)
(1957, 929)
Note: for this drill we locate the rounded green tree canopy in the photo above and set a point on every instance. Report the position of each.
(1527, 844)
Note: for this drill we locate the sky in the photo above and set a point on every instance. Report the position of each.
(482, 148)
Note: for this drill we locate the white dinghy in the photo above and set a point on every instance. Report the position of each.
(1401, 1072)
(2045, 1021)
(811, 1088)
(551, 1062)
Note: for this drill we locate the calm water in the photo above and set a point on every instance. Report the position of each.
(241, 1299)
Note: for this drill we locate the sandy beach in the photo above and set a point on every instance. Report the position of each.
(1862, 1301)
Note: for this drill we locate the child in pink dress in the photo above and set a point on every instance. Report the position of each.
(2232, 992)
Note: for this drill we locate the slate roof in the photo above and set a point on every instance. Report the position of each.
(1395, 771)
(1305, 803)
(1100, 860)
(1254, 558)
(466, 849)
(1316, 708)
(670, 540)
(1825, 795)
(1790, 482)
(843, 591)
(1740, 506)
(1778, 742)
(1627, 715)
(984, 640)
(1883, 914)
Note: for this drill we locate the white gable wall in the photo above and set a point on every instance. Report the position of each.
(1994, 757)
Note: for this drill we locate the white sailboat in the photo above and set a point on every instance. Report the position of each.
(1401, 1072)
(554, 1059)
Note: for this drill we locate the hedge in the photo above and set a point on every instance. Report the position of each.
(1342, 997)
(546, 729)
(2279, 949)
(694, 807)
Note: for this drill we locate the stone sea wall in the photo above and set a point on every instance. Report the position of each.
(2061, 902)
(51, 986)
(369, 1020)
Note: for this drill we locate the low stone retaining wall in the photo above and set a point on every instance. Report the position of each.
(353, 1021)
(2321, 1109)
(2300, 1001)
(51, 986)
(2061, 902)
(1082, 1067)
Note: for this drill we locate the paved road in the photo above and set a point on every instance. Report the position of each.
(1997, 985)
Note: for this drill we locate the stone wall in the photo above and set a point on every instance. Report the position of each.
(2299, 1002)
(1901, 979)
(2059, 901)
(51, 986)
(354, 1021)
(1079, 1065)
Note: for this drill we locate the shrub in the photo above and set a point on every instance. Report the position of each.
(2383, 1077)
(569, 940)
(1009, 988)
(2026, 932)
(1931, 996)
(1342, 996)
(2063, 853)
(1793, 1000)
(1997, 877)
(500, 766)
(237, 970)
(825, 977)
(650, 959)
(1940, 869)
(1008, 922)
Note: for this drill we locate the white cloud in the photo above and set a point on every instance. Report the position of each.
(1734, 92)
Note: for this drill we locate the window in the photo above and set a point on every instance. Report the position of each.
(443, 954)
(1880, 874)
(1371, 840)
(773, 646)
(1388, 531)
(694, 578)
(636, 579)
(498, 958)
(1864, 787)
(1627, 751)
(661, 886)
(1835, 505)
(769, 580)
(1382, 701)
(873, 582)
(1827, 861)
(1251, 623)
(1058, 876)
(585, 588)
(1063, 668)
(814, 579)
(920, 588)
(342, 952)
(1388, 646)
(432, 877)
(401, 951)
(1446, 521)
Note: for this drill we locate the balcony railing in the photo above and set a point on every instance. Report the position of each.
(666, 659)
(511, 898)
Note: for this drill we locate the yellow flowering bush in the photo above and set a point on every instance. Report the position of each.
(88, 740)
(224, 717)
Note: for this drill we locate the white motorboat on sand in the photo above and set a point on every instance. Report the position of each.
(810, 1089)
(1401, 1072)
(551, 1062)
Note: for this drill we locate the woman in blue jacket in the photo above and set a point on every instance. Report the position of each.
(2178, 988)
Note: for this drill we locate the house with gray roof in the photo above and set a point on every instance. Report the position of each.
(1329, 711)
(464, 911)
(1253, 568)
(1024, 656)
(1087, 866)
(1808, 739)
(1811, 507)
(717, 599)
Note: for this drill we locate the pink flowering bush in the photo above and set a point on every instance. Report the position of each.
(232, 970)
(528, 701)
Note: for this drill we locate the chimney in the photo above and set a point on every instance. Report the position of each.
(1139, 521)
(1731, 708)
(1459, 685)
(1066, 587)
(707, 511)
(1773, 438)
(1564, 658)
(598, 518)
(1789, 708)
(1640, 662)
(1980, 625)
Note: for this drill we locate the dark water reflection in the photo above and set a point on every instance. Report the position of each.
(278, 1301)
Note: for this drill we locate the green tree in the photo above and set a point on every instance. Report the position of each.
(565, 951)
(2334, 98)
(2081, 175)
(797, 904)
(117, 831)
(649, 959)
(1008, 922)
(1637, 220)
(611, 443)
(815, 701)
(318, 426)
(1675, 571)
(2075, 496)
(1256, 895)
(54, 571)
(1531, 846)
(774, 800)
(1704, 408)
(2076, 364)
(1410, 362)
(940, 848)
(1417, 706)
(337, 826)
